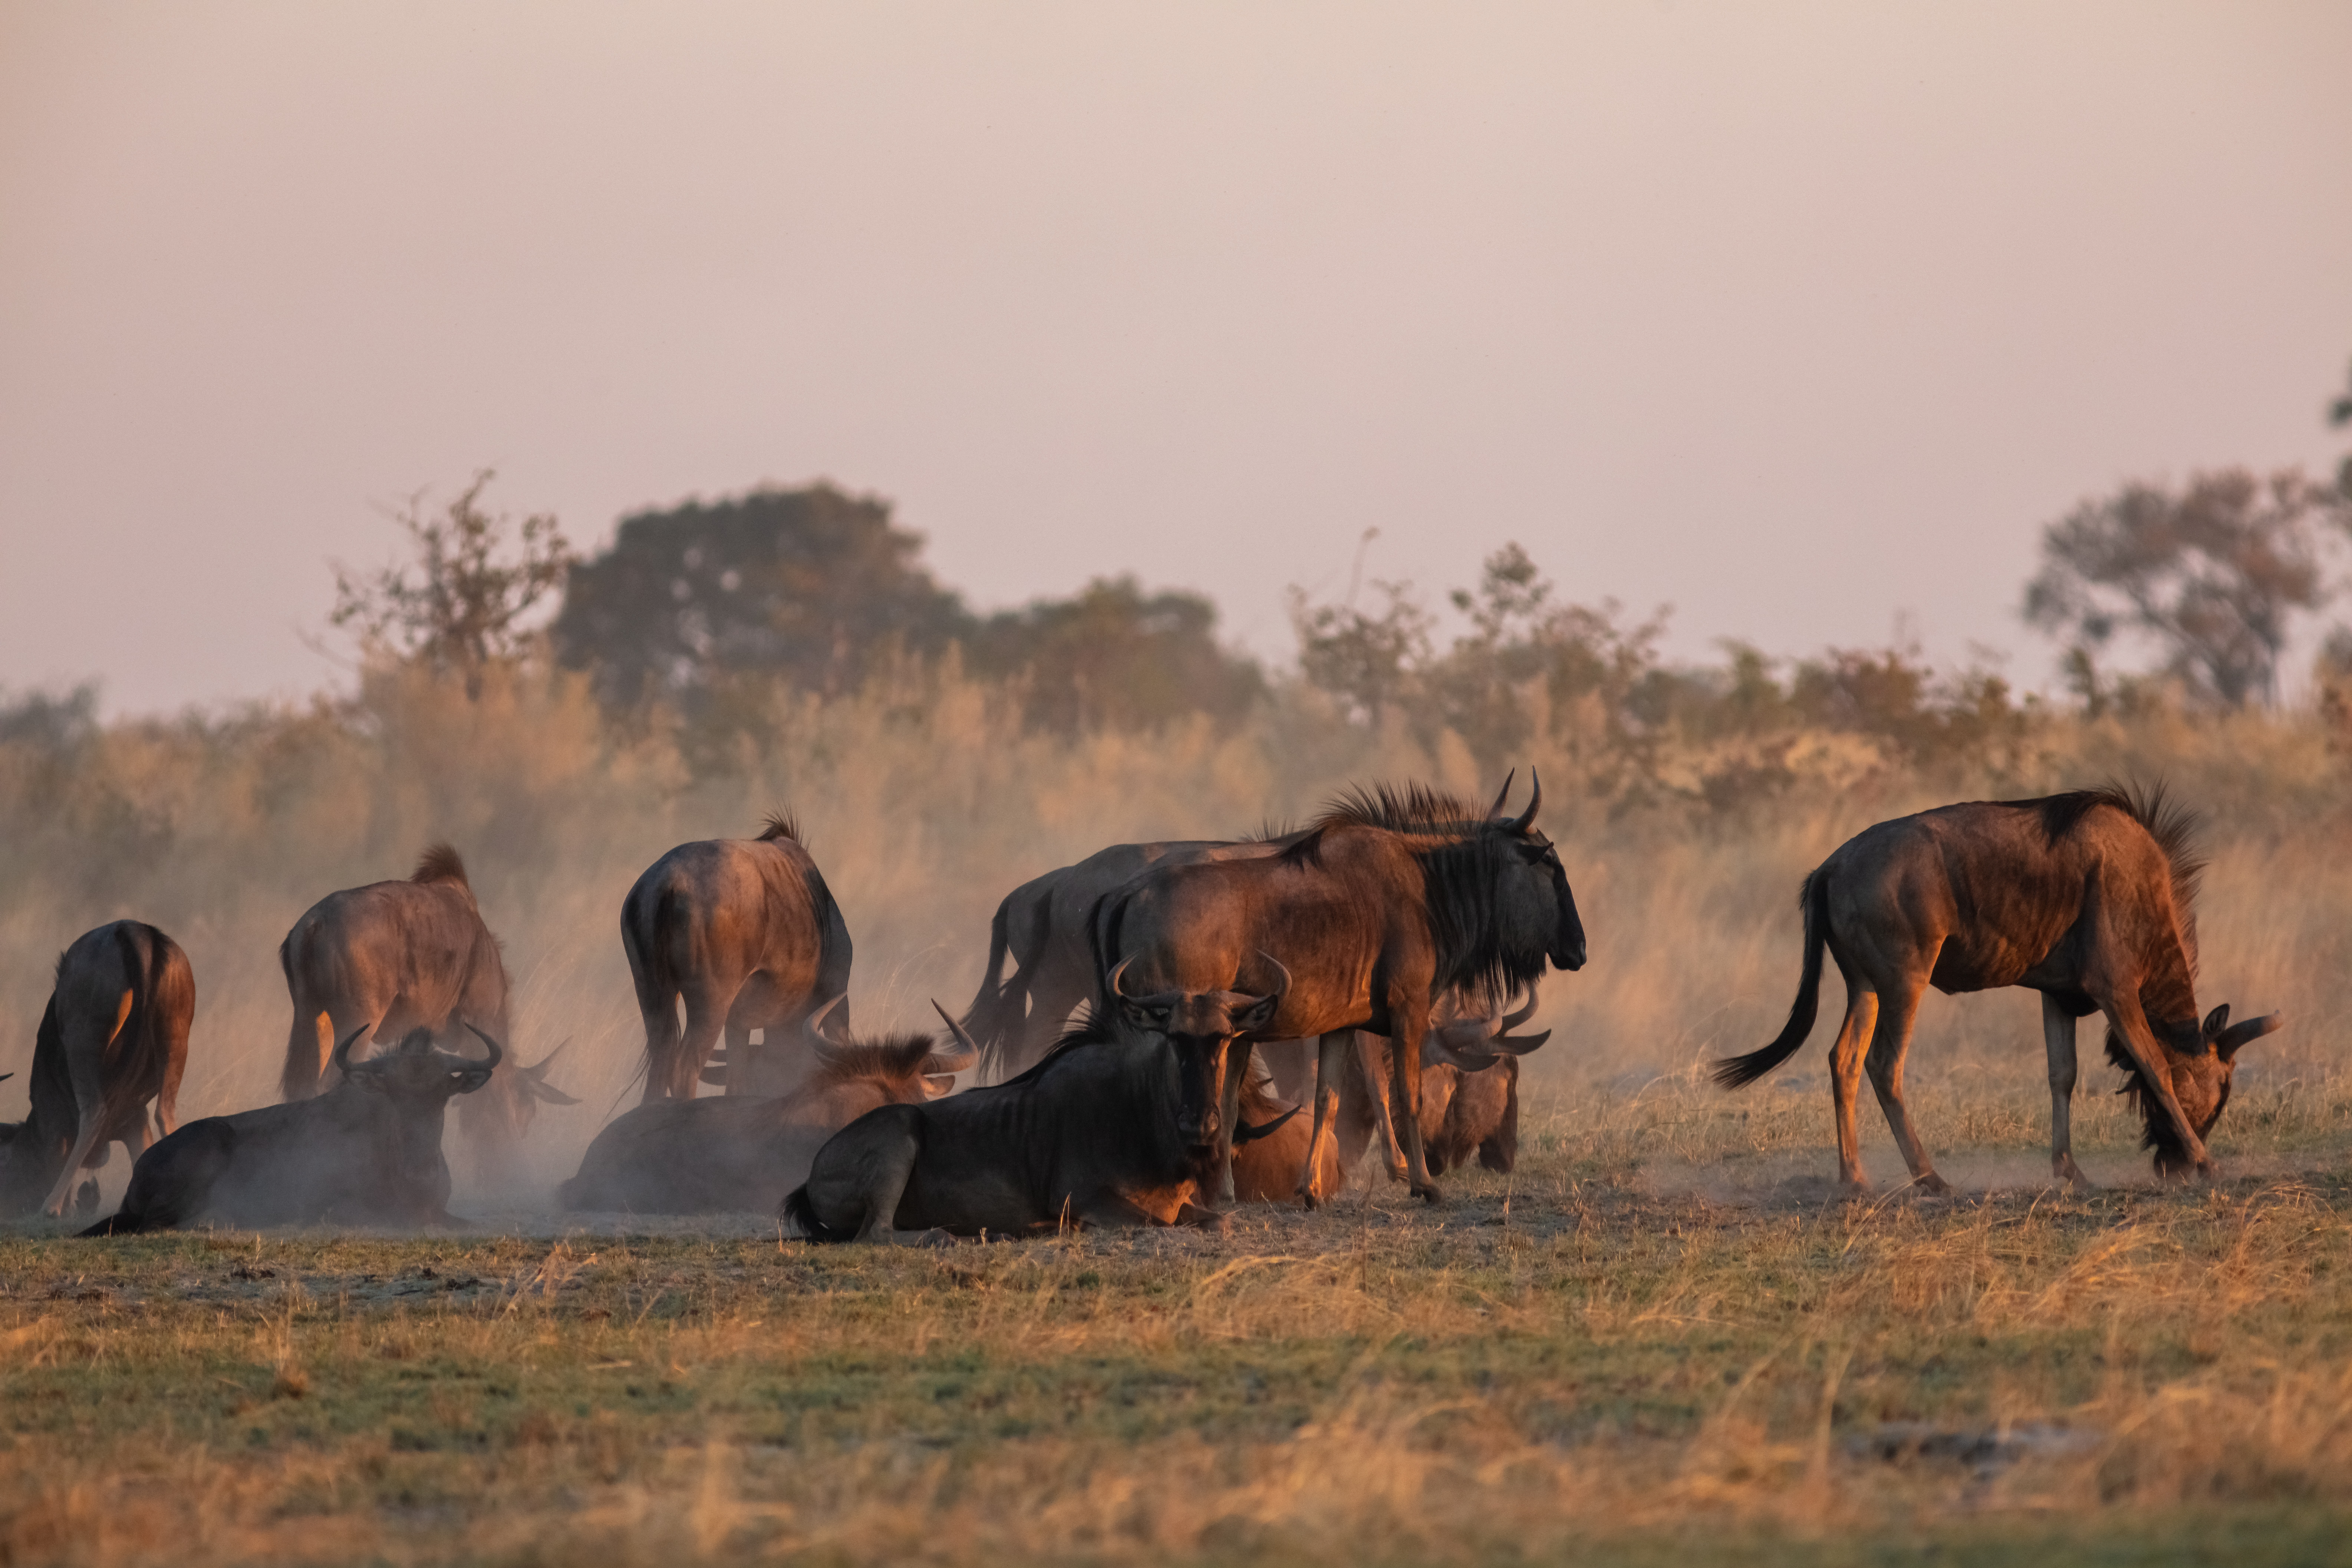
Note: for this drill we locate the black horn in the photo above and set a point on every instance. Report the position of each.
(1502, 794)
(498, 1052)
(340, 1060)
(966, 1057)
(1526, 818)
(814, 1024)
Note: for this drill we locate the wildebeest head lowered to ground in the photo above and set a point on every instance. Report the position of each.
(1094, 1134)
(1386, 899)
(732, 1152)
(745, 935)
(367, 1152)
(2088, 898)
(114, 1036)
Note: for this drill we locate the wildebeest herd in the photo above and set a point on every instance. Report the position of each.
(1186, 1026)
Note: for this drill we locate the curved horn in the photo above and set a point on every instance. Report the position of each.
(814, 1024)
(964, 1061)
(2239, 1034)
(1513, 1020)
(1503, 794)
(340, 1060)
(1247, 1132)
(535, 1080)
(1526, 819)
(1281, 974)
(498, 1052)
(1114, 988)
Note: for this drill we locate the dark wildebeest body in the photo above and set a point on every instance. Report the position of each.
(391, 958)
(367, 1152)
(1390, 898)
(747, 933)
(114, 1036)
(1110, 1129)
(2085, 897)
(1042, 925)
(723, 1152)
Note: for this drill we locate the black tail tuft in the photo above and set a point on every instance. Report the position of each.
(1738, 1072)
(801, 1215)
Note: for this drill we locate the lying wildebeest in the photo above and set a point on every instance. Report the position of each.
(1391, 898)
(1469, 1093)
(732, 1152)
(2085, 897)
(392, 957)
(367, 1152)
(114, 1036)
(747, 933)
(1042, 925)
(1115, 1127)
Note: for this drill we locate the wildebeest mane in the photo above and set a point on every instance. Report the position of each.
(2157, 1133)
(439, 863)
(1464, 855)
(891, 1057)
(2176, 827)
(780, 824)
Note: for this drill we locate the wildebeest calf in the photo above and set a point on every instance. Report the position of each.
(367, 1152)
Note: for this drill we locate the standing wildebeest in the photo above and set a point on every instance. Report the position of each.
(1389, 899)
(1114, 1127)
(733, 1153)
(1042, 924)
(115, 1036)
(367, 1152)
(391, 957)
(746, 931)
(2086, 897)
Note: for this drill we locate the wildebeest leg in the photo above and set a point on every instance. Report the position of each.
(706, 1020)
(1890, 1041)
(1404, 1077)
(1331, 1059)
(1375, 1093)
(1846, 1079)
(2058, 1040)
(1229, 1114)
(888, 1166)
(85, 1068)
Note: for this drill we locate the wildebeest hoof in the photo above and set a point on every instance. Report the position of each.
(1934, 1185)
(1429, 1194)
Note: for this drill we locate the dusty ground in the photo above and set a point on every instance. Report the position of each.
(1663, 1339)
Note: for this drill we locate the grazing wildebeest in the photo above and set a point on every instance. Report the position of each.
(1389, 899)
(1042, 926)
(2085, 897)
(114, 1036)
(746, 931)
(367, 1152)
(733, 1153)
(1113, 1127)
(392, 957)
(1469, 1093)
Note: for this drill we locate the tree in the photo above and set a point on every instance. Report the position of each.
(1366, 661)
(2213, 574)
(464, 601)
(1116, 658)
(808, 584)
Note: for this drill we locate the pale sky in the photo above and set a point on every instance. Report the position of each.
(1800, 318)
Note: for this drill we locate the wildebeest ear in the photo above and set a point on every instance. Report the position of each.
(2216, 1021)
(1141, 1015)
(937, 1084)
(471, 1079)
(1258, 1014)
(2226, 1045)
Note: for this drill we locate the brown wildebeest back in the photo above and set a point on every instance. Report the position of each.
(746, 933)
(732, 1152)
(1042, 926)
(392, 957)
(114, 1036)
(1389, 899)
(2086, 897)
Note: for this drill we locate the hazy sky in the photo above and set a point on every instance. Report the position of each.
(1795, 317)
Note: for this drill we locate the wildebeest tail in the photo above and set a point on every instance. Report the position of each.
(162, 989)
(1738, 1072)
(801, 1215)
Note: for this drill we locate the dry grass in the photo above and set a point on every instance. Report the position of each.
(1661, 1339)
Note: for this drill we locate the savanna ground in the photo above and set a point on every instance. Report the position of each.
(1663, 1337)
